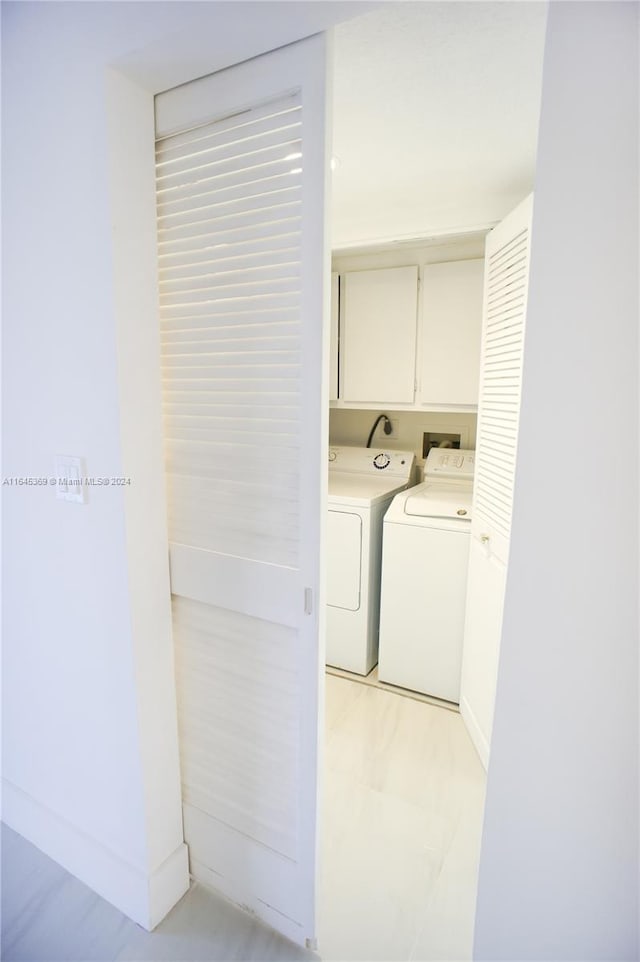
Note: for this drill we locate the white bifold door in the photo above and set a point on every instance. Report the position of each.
(244, 287)
(506, 288)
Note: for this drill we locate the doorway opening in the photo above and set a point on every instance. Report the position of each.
(435, 128)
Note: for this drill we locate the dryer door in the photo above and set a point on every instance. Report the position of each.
(344, 560)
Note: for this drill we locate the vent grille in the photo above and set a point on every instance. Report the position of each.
(229, 218)
(500, 389)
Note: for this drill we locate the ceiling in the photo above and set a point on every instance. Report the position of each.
(435, 117)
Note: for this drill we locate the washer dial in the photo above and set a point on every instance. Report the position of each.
(381, 461)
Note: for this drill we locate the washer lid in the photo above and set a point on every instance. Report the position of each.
(438, 500)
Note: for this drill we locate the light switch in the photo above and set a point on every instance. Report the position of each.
(70, 479)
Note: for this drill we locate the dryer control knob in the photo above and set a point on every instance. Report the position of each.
(381, 461)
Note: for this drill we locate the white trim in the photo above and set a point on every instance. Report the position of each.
(237, 584)
(480, 743)
(373, 245)
(143, 897)
(168, 884)
(409, 408)
(132, 186)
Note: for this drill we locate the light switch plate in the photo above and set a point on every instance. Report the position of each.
(70, 477)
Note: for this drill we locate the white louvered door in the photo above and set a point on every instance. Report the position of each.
(244, 290)
(503, 337)
(504, 314)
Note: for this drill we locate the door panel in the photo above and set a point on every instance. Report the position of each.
(228, 659)
(504, 316)
(483, 629)
(503, 340)
(244, 289)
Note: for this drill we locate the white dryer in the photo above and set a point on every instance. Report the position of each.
(362, 484)
(424, 578)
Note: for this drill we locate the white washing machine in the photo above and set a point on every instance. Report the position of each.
(362, 484)
(424, 578)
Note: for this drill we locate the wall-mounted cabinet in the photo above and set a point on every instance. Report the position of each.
(334, 368)
(449, 362)
(378, 317)
(408, 336)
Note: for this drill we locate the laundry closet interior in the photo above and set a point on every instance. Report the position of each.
(362, 840)
(423, 333)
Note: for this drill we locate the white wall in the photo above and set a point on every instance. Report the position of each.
(437, 119)
(559, 863)
(352, 426)
(90, 761)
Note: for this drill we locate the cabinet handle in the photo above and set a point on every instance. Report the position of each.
(484, 539)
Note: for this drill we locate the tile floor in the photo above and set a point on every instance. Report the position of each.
(404, 793)
(49, 916)
(404, 797)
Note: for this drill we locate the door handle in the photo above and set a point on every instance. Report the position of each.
(484, 539)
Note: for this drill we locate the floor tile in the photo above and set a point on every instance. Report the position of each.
(49, 915)
(340, 695)
(204, 926)
(374, 872)
(402, 821)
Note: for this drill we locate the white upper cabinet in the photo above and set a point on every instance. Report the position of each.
(378, 316)
(335, 337)
(449, 354)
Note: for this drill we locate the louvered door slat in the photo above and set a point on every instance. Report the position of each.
(270, 225)
(228, 129)
(227, 266)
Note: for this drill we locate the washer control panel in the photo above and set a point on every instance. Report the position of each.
(449, 463)
(398, 464)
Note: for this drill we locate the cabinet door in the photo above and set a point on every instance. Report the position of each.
(335, 338)
(481, 650)
(451, 330)
(378, 335)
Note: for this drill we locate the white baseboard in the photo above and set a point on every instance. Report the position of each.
(168, 884)
(476, 735)
(145, 898)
